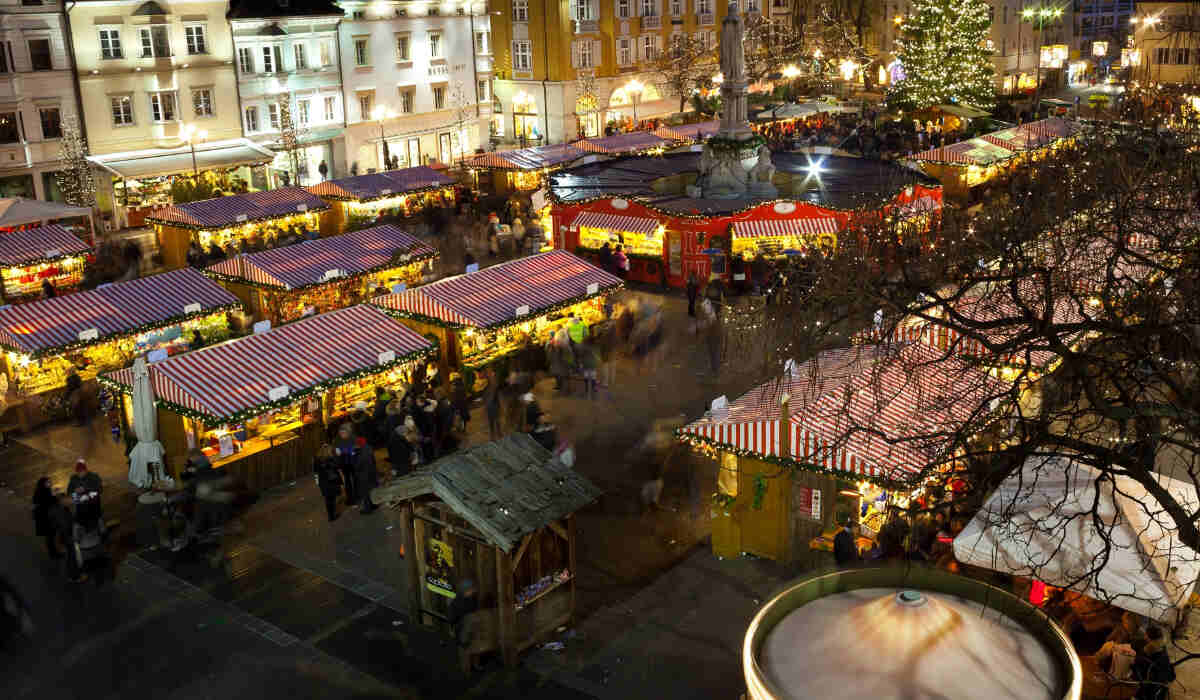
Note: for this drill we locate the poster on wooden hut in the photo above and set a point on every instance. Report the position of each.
(439, 563)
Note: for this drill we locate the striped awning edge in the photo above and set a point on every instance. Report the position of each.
(615, 222)
(764, 228)
(41, 243)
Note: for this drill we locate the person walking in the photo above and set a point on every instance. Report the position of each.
(402, 442)
(323, 169)
(460, 400)
(621, 262)
(845, 551)
(366, 476)
(560, 359)
(43, 503)
(343, 450)
(588, 358)
(64, 527)
(328, 478)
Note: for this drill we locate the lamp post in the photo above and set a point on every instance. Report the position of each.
(1147, 23)
(381, 114)
(1039, 17)
(190, 134)
(634, 89)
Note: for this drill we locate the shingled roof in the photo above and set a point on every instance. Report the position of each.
(506, 489)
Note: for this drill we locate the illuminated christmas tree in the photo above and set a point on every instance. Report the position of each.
(76, 180)
(945, 54)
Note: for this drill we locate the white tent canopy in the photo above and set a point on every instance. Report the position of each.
(17, 211)
(1039, 524)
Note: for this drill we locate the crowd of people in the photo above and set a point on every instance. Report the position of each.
(71, 522)
(269, 236)
(859, 134)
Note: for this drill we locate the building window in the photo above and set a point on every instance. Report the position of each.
(362, 56)
(583, 55)
(5, 56)
(272, 59)
(649, 47)
(39, 54)
(364, 107)
(1182, 56)
(435, 45)
(481, 91)
(704, 7)
(520, 10)
(1162, 56)
(194, 36)
(10, 132)
(301, 56)
(122, 110)
(751, 5)
(246, 60)
(677, 8)
(624, 52)
(439, 97)
(583, 10)
(162, 106)
(649, 8)
(154, 42)
(623, 9)
(330, 109)
(406, 101)
(302, 112)
(51, 122)
(252, 119)
(273, 116)
(482, 45)
(202, 102)
(358, 14)
(522, 56)
(326, 52)
(110, 43)
(402, 48)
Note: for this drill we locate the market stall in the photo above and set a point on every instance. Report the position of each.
(697, 132)
(105, 328)
(357, 201)
(493, 315)
(632, 143)
(31, 257)
(253, 219)
(521, 169)
(821, 426)
(641, 239)
(19, 213)
(285, 283)
(502, 515)
(259, 405)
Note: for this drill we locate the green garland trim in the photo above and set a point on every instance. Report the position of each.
(62, 256)
(533, 313)
(684, 436)
(178, 224)
(243, 414)
(724, 145)
(405, 193)
(222, 277)
(131, 332)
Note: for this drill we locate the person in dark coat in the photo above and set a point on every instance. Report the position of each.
(460, 400)
(1153, 668)
(401, 443)
(693, 291)
(491, 404)
(462, 620)
(48, 289)
(366, 475)
(64, 526)
(43, 502)
(343, 450)
(329, 479)
(845, 552)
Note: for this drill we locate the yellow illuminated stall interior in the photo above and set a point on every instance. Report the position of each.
(281, 306)
(650, 245)
(24, 281)
(773, 246)
(526, 179)
(480, 347)
(268, 232)
(360, 212)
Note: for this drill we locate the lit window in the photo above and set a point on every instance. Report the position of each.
(522, 56)
(154, 42)
(122, 110)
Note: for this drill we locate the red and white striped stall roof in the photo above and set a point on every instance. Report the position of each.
(534, 158)
(305, 264)
(615, 222)
(390, 183)
(766, 228)
(238, 375)
(491, 296)
(617, 144)
(116, 309)
(689, 132)
(41, 243)
(223, 212)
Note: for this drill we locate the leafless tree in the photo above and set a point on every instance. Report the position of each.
(770, 46)
(684, 66)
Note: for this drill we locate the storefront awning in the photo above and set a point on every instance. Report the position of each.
(390, 183)
(309, 263)
(615, 222)
(492, 296)
(39, 245)
(534, 158)
(223, 212)
(766, 228)
(173, 161)
(45, 326)
(241, 378)
(617, 144)
(17, 211)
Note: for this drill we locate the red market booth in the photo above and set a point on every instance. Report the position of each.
(31, 257)
(642, 205)
(283, 284)
(521, 169)
(359, 200)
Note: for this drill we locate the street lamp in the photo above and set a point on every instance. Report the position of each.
(1039, 17)
(634, 89)
(190, 134)
(381, 114)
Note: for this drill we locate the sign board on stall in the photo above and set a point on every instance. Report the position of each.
(331, 274)
(156, 355)
(192, 309)
(473, 267)
(102, 286)
(399, 287)
(522, 310)
(262, 327)
(226, 444)
(52, 253)
(387, 356)
(302, 207)
(739, 276)
(89, 334)
(808, 502)
(240, 218)
(537, 200)
(816, 504)
(594, 288)
(439, 568)
(278, 392)
(385, 191)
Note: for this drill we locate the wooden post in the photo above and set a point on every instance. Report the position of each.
(506, 608)
(410, 558)
(535, 554)
(571, 560)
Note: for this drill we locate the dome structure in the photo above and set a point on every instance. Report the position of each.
(909, 634)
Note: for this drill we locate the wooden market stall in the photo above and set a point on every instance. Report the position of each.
(521, 169)
(492, 315)
(814, 437)
(31, 257)
(262, 218)
(18, 213)
(690, 133)
(259, 405)
(358, 201)
(283, 284)
(631, 143)
(966, 165)
(501, 514)
(105, 329)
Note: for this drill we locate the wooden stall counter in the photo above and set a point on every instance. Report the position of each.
(275, 458)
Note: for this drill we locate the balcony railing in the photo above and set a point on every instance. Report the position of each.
(652, 22)
(586, 26)
(707, 19)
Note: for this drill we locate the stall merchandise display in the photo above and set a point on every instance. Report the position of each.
(26, 281)
(30, 257)
(541, 587)
(483, 347)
